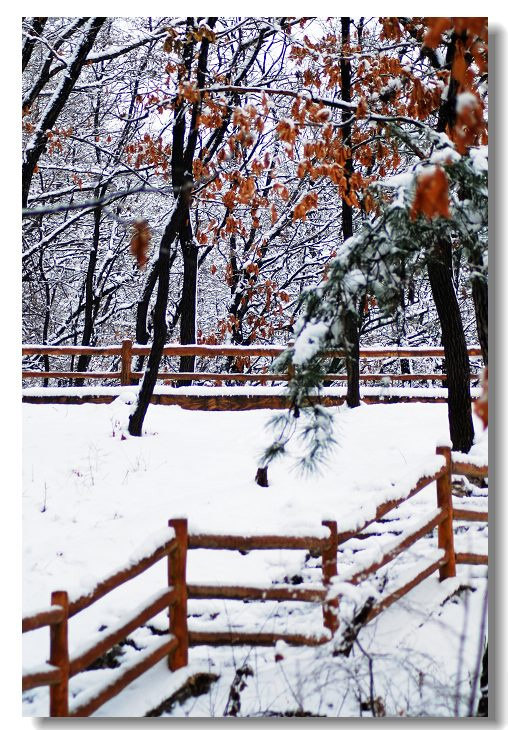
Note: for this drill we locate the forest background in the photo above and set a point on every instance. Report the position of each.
(249, 150)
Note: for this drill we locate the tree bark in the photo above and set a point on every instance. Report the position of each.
(179, 225)
(188, 305)
(483, 704)
(29, 44)
(45, 326)
(84, 360)
(481, 307)
(142, 333)
(182, 180)
(351, 328)
(439, 268)
(159, 319)
(455, 348)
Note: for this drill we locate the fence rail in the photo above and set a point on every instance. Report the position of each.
(127, 350)
(62, 666)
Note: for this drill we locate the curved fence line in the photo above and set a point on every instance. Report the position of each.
(174, 646)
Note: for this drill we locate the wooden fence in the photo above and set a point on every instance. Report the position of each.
(175, 646)
(242, 356)
(61, 666)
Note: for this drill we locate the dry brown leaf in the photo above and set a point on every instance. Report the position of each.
(431, 197)
(435, 29)
(140, 241)
(470, 123)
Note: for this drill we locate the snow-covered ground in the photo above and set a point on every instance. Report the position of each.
(93, 497)
(386, 390)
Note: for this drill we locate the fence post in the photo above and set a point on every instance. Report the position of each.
(329, 568)
(445, 529)
(125, 376)
(59, 657)
(178, 610)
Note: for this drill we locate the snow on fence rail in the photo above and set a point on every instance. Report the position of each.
(174, 646)
(61, 666)
(205, 395)
(127, 350)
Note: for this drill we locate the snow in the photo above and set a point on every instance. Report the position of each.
(128, 393)
(89, 642)
(402, 180)
(427, 170)
(478, 459)
(92, 691)
(151, 544)
(480, 157)
(96, 499)
(309, 342)
(354, 280)
(32, 669)
(465, 100)
(378, 552)
(444, 155)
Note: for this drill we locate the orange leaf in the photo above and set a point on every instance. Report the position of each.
(431, 197)
(139, 242)
(247, 189)
(469, 123)
(435, 29)
(459, 66)
(361, 109)
(286, 131)
(302, 208)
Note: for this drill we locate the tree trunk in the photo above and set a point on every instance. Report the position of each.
(440, 274)
(481, 308)
(47, 318)
(483, 704)
(142, 333)
(405, 366)
(29, 43)
(455, 348)
(352, 360)
(351, 328)
(84, 360)
(159, 321)
(188, 305)
(182, 180)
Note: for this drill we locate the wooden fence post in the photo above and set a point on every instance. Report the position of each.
(178, 610)
(329, 568)
(59, 657)
(125, 377)
(445, 529)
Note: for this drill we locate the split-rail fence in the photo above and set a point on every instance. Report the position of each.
(175, 645)
(242, 357)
